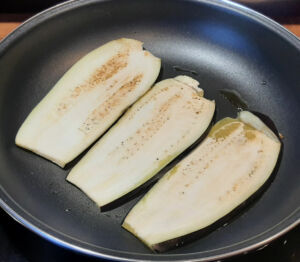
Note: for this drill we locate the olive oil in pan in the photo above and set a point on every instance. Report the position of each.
(239, 103)
(234, 98)
(184, 70)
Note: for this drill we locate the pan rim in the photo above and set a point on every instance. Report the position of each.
(10, 206)
(145, 257)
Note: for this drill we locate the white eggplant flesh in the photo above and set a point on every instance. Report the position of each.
(88, 99)
(230, 165)
(157, 128)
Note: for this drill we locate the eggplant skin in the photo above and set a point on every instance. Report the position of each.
(157, 128)
(88, 99)
(225, 170)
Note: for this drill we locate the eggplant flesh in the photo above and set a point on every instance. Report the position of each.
(86, 101)
(232, 163)
(158, 127)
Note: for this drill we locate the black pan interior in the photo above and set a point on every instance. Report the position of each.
(221, 45)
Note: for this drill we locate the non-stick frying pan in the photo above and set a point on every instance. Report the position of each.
(221, 44)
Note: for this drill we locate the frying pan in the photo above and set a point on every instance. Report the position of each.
(221, 44)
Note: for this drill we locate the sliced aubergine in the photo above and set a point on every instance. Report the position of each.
(158, 127)
(231, 164)
(86, 101)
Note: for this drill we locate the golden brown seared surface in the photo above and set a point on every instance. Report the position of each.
(104, 109)
(105, 72)
(87, 100)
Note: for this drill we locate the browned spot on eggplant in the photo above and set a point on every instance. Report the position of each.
(62, 107)
(151, 127)
(104, 109)
(153, 97)
(235, 187)
(105, 72)
(250, 135)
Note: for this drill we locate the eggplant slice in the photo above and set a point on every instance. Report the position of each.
(158, 127)
(88, 99)
(231, 164)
